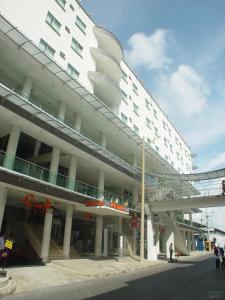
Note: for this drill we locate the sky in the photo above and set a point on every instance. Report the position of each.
(177, 47)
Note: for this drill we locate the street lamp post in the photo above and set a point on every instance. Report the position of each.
(142, 203)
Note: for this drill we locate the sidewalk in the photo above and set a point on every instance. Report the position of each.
(60, 272)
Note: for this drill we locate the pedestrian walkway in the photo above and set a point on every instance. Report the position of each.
(61, 272)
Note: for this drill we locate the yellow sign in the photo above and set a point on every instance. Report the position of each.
(8, 244)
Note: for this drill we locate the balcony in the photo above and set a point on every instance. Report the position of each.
(106, 63)
(105, 88)
(108, 42)
(35, 171)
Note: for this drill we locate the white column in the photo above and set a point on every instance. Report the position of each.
(189, 240)
(67, 230)
(134, 200)
(72, 172)
(77, 123)
(169, 238)
(27, 86)
(151, 249)
(103, 140)
(61, 111)
(190, 218)
(54, 165)
(157, 239)
(193, 242)
(120, 237)
(11, 148)
(101, 182)
(98, 236)
(3, 196)
(105, 246)
(37, 148)
(46, 235)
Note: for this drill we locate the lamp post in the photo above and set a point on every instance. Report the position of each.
(142, 203)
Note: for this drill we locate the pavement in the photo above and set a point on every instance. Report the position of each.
(62, 272)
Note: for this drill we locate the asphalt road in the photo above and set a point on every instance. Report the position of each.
(194, 278)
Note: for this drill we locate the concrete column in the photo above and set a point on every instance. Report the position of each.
(54, 165)
(190, 218)
(182, 216)
(151, 249)
(120, 237)
(3, 196)
(67, 231)
(72, 173)
(157, 239)
(189, 238)
(77, 123)
(105, 246)
(98, 236)
(134, 200)
(101, 183)
(37, 148)
(46, 235)
(61, 111)
(103, 140)
(11, 148)
(27, 87)
(169, 238)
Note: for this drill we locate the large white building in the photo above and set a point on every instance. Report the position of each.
(72, 119)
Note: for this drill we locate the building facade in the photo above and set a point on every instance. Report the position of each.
(73, 117)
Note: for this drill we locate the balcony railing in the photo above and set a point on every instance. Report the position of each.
(35, 171)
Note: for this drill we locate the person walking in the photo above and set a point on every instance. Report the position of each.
(171, 251)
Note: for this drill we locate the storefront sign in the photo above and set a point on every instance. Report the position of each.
(113, 205)
(8, 244)
(29, 200)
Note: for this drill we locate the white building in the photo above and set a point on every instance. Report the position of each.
(73, 116)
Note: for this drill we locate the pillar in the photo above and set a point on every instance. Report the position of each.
(135, 200)
(46, 235)
(103, 140)
(54, 165)
(98, 236)
(27, 86)
(105, 246)
(37, 148)
(157, 239)
(3, 196)
(101, 182)
(11, 148)
(77, 123)
(190, 219)
(61, 111)
(120, 237)
(67, 231)
(151, 249)
(72, 173)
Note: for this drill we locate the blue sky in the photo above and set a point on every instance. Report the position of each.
(177, 47)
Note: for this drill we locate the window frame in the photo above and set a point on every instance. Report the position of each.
(69, 66)
(79, 47)
(47, 46)
(80, 22)
(52, 22)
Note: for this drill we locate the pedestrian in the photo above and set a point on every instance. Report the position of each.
(171, 251)
(222, 258)
(218, 257)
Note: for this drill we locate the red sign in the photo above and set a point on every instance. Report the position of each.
(94, 203)
(29, 200)
(113, 205)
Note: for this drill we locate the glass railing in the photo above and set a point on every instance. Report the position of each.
(43, 174)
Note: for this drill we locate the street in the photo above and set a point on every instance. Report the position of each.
(191, 278)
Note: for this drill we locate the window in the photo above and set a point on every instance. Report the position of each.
(72, 72)
(76, 47)
(156, 131)
(157, 148)
(149, 141)
(51, 20)
(148, 123)
(166, 157)
(136, 129)
(124, 76)
(170, 133)
(166, 142)
(135, 109)
(147, 104)
(171, 148)
(155, 114)
(61, 3)
(135, 89)
(46, 48)
(67, 29)
(124, 118)
(176, 140)
(62, 55)
(178, 156)
(80, 24)
(124, 96)
(164, 125)
(71, 6)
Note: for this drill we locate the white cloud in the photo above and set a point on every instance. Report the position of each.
(148, 50)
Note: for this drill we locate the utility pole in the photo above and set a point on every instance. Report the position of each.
(207, 224)
(142, 249)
